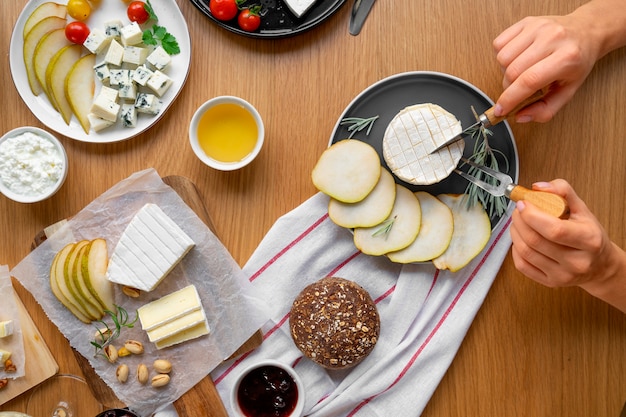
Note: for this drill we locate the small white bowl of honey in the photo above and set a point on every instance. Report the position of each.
(226, 133)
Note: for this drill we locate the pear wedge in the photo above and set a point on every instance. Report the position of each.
(397, 232)
(94, 267)
(56, 277)
(81, 285)
(79, 89)
(347, 171)
(472, 230)
(57, 70)
(31, 40)
(370, 211)
(42, 11)
(435, 232)
(70, 276)
(47, 47)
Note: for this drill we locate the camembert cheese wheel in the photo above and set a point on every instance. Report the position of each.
(410, 138)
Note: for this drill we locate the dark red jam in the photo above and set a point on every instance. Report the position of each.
(267, 391)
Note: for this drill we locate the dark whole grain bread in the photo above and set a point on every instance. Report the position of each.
(334, 322)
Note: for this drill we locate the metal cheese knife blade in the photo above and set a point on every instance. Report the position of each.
(488, 118)
(360, 10)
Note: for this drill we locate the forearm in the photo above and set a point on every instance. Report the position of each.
(606, 23)
(611, 286)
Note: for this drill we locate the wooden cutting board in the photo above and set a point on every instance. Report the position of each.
(203, 399)
(40, 364)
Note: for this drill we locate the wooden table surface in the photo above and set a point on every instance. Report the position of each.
(531, 351)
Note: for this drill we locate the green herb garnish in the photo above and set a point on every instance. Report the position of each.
(357, 124)
(148, 7)
(385, 227)
(158, 35)
(109, 333)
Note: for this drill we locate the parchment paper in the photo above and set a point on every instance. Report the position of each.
(233, 311)
(9, 311)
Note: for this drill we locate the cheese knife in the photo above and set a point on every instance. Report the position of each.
(360, 10)
(489, 119)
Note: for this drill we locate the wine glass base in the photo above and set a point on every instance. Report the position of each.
(63, 396)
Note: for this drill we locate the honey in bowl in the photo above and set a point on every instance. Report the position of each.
(227, 132)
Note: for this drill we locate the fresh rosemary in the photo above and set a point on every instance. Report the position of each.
(107, 335)
(483, 154)
(356, 124)
(385, 227)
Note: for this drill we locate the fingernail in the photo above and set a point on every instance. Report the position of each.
(542, 185)
(521, 205)
(497, 110)
(524, 119)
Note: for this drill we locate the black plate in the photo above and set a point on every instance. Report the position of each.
(277, 21)
(390, 95)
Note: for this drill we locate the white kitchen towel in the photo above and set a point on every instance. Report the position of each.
(425, 314)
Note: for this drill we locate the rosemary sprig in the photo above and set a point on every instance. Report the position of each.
(484, 154)
(107, 335)
(385, 227)
(356, 124)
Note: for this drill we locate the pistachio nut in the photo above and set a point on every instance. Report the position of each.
(162, 366)
(134, 347)
(122, 373)
(160, 380)
(142, 373)
(111, 353)
(122, 352)
(131, 292)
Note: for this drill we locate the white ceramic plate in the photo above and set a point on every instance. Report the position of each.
(169, 16)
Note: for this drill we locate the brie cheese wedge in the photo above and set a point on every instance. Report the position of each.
(411, 137)
(299, 7)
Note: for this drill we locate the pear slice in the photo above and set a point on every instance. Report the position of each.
(370, 211)
(33, 37)
(81, 285)
(42, 11)
(57, 70)
(94, 267)
(402, 226)
(47, 47)
(472, 230)
(79, 89)
(435, 232)
(347, 171)
(72, 263)
(56, 278)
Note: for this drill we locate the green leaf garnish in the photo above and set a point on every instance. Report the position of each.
(357, 124)
(385, 227)
(120, 319)
(158, 35)
(150, 11)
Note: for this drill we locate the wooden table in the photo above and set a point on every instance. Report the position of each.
(531, 350)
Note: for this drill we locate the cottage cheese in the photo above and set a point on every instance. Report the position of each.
(30, 164)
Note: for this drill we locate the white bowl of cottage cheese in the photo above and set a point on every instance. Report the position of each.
(33, 164)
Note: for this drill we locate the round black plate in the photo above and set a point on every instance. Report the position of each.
(277, 21)
(390, 95)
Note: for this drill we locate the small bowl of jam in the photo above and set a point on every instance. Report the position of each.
(268, 389)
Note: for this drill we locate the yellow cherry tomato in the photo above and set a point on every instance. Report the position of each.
(79, 9)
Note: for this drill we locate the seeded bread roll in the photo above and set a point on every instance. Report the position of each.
(334, 322)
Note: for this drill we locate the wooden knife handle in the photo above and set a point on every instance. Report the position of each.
(550, 203)
(490, 119)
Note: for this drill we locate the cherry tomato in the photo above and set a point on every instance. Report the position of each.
(249, 19)
(76, 32)
(79, 9)
(137, 12)
(224, 9)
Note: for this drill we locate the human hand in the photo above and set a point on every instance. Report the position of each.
(537, 52)
(560, 253)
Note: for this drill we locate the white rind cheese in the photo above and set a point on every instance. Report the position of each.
(6, 328)
(299, 7)
(410, 138)
(150, 247)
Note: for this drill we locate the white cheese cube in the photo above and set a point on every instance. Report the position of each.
(98, 123)
(105, 108)
(120, 77)
(113, 28)
(4, 356)
(159, 58)
(135, 55)
(97, 41)
(108, 92)
(128, 91)
(102, 71)
(114, 54)
(299, 7)
(159, 83)
(6, 328)
(141, 75)
(131, 34)
(128, 115)
(150, 247)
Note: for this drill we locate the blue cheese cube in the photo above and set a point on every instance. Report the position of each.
(128, 115)
(135, 55)
(141, 75)
(159, 59)
(128, 91)
(159, 83)
(102, 71)
(120, 77)
(97, 41)
(115, 54)
(148, 103)
(113, 28)
(131, 34)
(105, 108)
(98, 123)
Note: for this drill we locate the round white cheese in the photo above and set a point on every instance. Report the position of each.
(411, 137)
